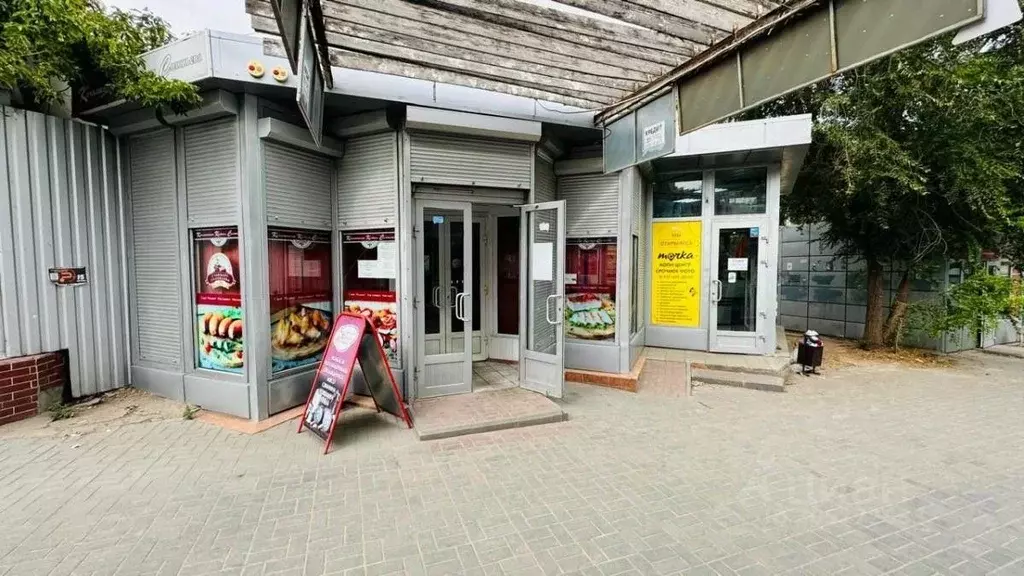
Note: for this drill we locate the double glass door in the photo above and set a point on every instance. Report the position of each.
(738, 305)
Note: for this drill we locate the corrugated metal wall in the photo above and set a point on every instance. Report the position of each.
(367, 177)
(298, 187)
(465, 161)
(211, 173)
(156, 301)
(545, 176)
(591, 204)
(62, 204)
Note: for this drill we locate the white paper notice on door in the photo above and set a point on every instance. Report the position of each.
(738, 264)
(387, 259)
(543, 257)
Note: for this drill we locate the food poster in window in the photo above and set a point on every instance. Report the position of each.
(218, 299)
(370, 262)
(590, 279)
(301, 312)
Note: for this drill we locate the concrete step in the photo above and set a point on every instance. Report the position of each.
(714, 366)
(754, 381)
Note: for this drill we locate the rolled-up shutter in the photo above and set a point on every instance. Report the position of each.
(211, 173)
(298, 187)
(465, 161)
(591, 204)
(155, 254)
(545, 177)
(367, 179)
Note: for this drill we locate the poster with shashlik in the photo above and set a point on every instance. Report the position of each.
(218, 308)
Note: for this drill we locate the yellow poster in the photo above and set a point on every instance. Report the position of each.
(675, 274)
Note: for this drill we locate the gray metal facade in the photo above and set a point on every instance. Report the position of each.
(464, 161)
(62, 204)
(298, 187)
(546, 183)
(591, 204)
(367, 178)
(211, 167)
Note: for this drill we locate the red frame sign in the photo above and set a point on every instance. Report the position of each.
(352, 338)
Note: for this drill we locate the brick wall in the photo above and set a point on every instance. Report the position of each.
(22, 379)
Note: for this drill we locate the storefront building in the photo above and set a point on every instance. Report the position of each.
(467, 233)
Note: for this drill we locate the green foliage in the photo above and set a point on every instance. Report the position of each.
(917, 156)
(976, 305)
(190, 411)
(48, 45)
(62, 411)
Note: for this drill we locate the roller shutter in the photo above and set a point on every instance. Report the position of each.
(155, 254)
(591, 204)
(545, 176)
(211, 173)
(298, 187)
(464, 161)
(368, 182)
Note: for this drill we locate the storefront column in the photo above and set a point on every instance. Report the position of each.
(254, 261)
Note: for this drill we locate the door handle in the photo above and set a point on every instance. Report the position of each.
(717, 295)
(547, 310)
(437, 296)
(453, 296)
(559, 306)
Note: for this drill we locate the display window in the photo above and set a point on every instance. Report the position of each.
(680, 197)
(218, 299)
(301, 311)
(590, 281)
(369, 262)
(508, 275)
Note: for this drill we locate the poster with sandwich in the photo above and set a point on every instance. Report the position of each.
(590, 277)
(219, 319)
(301, 314)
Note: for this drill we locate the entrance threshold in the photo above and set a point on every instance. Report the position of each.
(494, 409)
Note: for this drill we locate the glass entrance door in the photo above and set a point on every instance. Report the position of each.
(542, 274)
(445, 298)
(737, 311)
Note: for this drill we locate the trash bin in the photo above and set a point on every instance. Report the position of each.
(809, 352)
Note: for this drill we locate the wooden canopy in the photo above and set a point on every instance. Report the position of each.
(585, 53)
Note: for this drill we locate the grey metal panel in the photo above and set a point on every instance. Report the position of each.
(863, 32)
(499, 196)
(619, 150)
(298, 187)
(796, 55)
(545, 188)
(713, 95)
(155, 249)
(367, 181)
(464, 161)
(591, 204)
(659, 116)
(211, 173)
(60, 206)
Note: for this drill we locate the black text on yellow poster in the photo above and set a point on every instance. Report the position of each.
(675, 274)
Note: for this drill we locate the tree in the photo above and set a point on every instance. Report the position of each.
(50, 46)
(916, 157)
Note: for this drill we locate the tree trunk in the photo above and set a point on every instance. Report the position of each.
(898, 313)
(874, 324)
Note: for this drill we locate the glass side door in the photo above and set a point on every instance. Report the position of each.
(542, 274)
(444, 298)
(737, 310)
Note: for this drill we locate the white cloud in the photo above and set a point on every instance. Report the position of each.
(192, 15)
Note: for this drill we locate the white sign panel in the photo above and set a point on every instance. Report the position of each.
(187, 60)
(653, 138)
(310, 96)
(998, 14)
(387, 259)
(543, 259)
(739, 264)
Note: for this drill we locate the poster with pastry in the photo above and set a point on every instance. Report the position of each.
(220, 338)
(298, 335)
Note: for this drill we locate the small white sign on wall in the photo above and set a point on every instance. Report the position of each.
(542, 256)
(732, 277)
(739, 264)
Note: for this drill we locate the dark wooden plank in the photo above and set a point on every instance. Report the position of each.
(650, 19)
(533, 17)
(486, 37)
(370, 63)
(698, 11)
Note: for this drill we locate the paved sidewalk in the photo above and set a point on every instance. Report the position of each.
(870, 471)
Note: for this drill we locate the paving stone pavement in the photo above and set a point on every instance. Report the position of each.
(869, 471)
